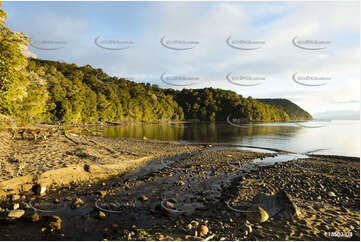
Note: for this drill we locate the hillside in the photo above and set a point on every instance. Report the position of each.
(71, 94)
(83, 94)
(293, 110)
(51, 91)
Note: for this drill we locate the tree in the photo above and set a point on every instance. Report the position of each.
(18, 96)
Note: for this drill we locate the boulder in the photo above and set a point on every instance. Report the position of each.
(15, 214)
(267, 206)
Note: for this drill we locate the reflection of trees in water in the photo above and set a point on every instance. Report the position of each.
(220, 132)
(150, 131)
(255, 130)
(200, 132)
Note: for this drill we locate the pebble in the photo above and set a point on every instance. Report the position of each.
(39, 189)
(53, 223)
(195, 223)
(102, 215)
(170, 204)
(331, 194)
(87, 168)
(203, 231)
(160, 236)
(14, 214)
(34, 217)
(180, 183)
(15, 197)
(16, 206)
(143, 198)
(102, 193)
(249, 228)
(77, 203)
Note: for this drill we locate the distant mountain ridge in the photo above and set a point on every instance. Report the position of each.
(294, 111)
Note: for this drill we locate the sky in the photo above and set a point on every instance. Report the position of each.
(307, 52)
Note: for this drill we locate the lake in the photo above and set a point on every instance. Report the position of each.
(337, 137)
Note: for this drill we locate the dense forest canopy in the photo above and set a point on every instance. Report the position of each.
(83, 94)
(293, 110)
(33, 89)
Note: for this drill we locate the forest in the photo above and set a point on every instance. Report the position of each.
(37, 90)
(293, 110)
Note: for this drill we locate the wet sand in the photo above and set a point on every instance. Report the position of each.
(174, 190)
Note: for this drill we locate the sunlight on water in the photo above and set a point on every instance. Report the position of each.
(333, 138)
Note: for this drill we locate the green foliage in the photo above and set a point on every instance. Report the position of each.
(293, 110)
(18, 97)
(210, 104)
(84, 94)
(39, 89)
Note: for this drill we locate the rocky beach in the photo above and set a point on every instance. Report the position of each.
(67, 185)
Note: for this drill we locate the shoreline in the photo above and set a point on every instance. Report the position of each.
(148, 171)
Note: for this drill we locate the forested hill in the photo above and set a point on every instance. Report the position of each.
(84, 94)
(34, 90)
(293, 110)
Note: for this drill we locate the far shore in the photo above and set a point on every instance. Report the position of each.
(17, 124)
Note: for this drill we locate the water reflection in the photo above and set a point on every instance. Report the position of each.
(199, 132)
(338, 137)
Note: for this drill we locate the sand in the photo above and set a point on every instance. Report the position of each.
(202, 180)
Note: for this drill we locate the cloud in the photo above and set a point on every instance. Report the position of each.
(211, 24)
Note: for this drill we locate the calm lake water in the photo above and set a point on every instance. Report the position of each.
(334, 137)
